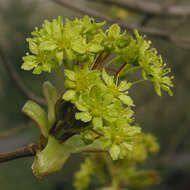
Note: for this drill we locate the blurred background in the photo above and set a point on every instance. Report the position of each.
(165, 22)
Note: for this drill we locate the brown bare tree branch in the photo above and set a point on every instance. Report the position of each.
(165, 35)
(27, 151)
(30, 150)
(151, 8)
(12, 132)
(168, 3)
(146, 20)
(16, 79)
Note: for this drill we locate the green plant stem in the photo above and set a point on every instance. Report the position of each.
(130, 70)
(133, 69)
(138, 81)
(94, 150)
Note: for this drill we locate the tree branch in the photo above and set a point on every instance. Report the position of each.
(165, 35)
(30, 150)
(168, 3)
(151, 8)
(27, 151)
(117, 73)
(15, 78)
(146, 20)
(12, 132)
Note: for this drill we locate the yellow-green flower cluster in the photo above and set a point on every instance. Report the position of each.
(99, 97)
(122, 171)
(77, 40)
(105, 105)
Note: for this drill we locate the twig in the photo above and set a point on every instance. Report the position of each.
(167, 3)
(97, 60)
(163, 34)
(27, 151)
(11, 132)
(30, 150)
(130, 27)
(15, 78)
(110, 69)
(151, 8)
(146, 20)
(117, 73)
(105, 57)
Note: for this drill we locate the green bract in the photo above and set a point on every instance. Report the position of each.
(95, 111)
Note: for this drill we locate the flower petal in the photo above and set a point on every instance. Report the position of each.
(83, 116)
(70, 74)
(97, 122)
(126, 100)
(124, 85)
(108, 79)
(69, 95)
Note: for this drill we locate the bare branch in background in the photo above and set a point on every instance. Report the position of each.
(16, 79)
(12, 132)
(146, 20)
(168, 3)
(151, 8)
(163, 34)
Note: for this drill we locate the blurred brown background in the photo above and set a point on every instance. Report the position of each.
(165, 22)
